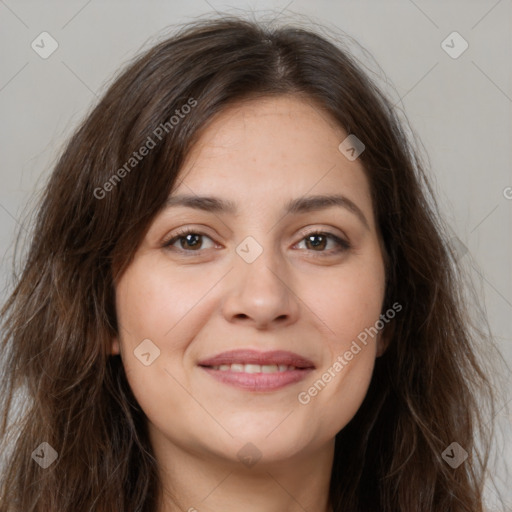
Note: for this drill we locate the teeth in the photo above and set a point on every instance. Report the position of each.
(253, 368)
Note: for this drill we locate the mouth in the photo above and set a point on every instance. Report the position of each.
(253, 368)
(257, 371)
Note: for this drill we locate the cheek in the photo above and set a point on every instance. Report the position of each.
(152, 301)
(143, 307)
(347, 302)
(155, 304)
(350, 390)
(336, 394)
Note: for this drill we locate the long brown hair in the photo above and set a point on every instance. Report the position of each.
(428, 388)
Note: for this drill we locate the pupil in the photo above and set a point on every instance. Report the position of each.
(194, 238)
(318, 244)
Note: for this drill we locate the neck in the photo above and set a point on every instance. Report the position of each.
(204, 483)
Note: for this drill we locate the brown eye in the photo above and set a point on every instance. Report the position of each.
(189, 241)
(192, 241)
(318, 242)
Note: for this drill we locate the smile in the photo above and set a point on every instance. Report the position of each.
(257, 371)
(253, 368)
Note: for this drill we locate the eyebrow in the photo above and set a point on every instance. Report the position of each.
(295, 206)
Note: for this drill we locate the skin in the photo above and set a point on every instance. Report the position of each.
(259, 154)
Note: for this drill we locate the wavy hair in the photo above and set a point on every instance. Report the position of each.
(427, 391)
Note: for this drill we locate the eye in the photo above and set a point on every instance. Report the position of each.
(190, 241)
(317, 241)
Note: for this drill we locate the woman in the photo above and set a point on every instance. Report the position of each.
(239, 295)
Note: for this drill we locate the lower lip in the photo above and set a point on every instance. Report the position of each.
(259, 381)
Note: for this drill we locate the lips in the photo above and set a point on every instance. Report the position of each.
(254, 358)
(257, 371)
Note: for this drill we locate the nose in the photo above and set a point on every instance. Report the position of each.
(260, 294)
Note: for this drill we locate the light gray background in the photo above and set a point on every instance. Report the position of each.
(460, 108)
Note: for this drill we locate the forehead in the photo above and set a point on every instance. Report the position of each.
(272, 149)
(302, 119)
(286, 128)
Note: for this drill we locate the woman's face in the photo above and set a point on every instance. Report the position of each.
(240, 332)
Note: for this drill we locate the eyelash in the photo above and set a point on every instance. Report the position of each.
(343, 245)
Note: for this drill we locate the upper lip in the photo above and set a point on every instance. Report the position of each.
(276, 357)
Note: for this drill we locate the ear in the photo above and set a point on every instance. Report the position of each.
(384, 338)
(115, 348)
